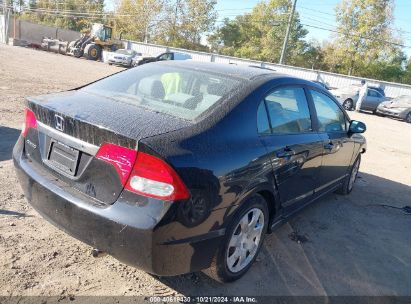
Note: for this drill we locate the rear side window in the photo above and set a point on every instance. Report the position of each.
(166, 56)
(330, 117)
(181, 56)
(263, 126)
(183, 93)
(288, 111)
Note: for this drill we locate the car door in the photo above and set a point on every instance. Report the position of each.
(295, 151)
(372, 100)
(338, 147)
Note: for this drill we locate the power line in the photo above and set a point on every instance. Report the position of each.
(76, 14)
(318, 21)
(55, 10)
(317, 11)
(358, 36)
(334, 15)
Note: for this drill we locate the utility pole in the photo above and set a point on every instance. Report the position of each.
(5, 26)
(173, 35)
(287, 34)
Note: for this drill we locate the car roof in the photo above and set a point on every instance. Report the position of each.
(238, 71)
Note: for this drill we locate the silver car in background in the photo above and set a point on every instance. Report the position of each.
(348, 97)
(399, 107)
(123, 57)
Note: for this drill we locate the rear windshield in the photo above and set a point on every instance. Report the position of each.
(183, 93)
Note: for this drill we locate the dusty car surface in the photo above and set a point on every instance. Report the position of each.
(177, 167)
(348, 97)
(399, 107)
(123, 57)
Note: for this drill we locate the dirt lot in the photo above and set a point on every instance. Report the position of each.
(354, 246)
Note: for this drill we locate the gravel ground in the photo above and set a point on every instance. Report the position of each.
(351, 245)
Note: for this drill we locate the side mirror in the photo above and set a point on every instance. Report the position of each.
(357, 127)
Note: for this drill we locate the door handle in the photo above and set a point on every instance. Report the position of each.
(329, 146)
(286, 152)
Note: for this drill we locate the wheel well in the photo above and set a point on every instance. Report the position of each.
(270, 199)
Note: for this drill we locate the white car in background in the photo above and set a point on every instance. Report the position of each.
(162, 57)
(123, 57)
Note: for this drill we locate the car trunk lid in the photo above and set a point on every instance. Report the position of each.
(72, 126)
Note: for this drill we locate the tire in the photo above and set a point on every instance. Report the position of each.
(348, 104)
(349, 181)
(408, 118)
(92, 51)
(78, 53)
(227, 266)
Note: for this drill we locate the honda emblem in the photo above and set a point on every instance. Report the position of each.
(59, 122)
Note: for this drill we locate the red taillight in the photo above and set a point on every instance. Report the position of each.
(121, 158)
(150, 176)
(153, 177)
(30, 122)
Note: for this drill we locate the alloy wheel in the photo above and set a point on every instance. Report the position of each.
(94, 53)
(245, 240)
(408, 118)
(347, 105)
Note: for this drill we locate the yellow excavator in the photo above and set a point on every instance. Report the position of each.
(90, 44)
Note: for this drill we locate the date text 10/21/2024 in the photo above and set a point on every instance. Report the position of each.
(202, 299)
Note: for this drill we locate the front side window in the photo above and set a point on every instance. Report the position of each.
(330, 117)
(107, 33)
(288, 111)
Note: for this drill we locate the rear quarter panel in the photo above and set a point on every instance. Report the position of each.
(221, 159)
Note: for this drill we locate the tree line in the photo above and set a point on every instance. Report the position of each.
(364, 41)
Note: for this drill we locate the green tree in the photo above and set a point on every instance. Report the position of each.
(228, 37)
(388, 69)
(139, 19)
(365, 34)
(187, 23)
(260, 34)
(407, 72)
(17, 5)
(71, 14)
(32, 4)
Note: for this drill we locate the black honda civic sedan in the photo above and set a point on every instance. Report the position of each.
(175, 167)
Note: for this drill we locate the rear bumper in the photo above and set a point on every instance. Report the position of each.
(130, 233)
